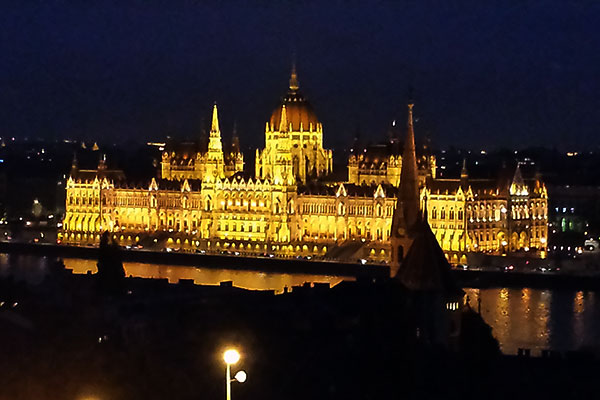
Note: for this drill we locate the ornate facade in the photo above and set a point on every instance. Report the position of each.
(293, 142)
(492, 216)
(203, 201)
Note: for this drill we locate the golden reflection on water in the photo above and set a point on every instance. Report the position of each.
(578, 306)
(208, 276)
(518, 317)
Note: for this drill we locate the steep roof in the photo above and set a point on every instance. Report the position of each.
(352, 190)
(425, 267)
(116, 175)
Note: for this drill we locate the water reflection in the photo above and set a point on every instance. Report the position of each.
(539, 319)
(33, 269)
(520, 318)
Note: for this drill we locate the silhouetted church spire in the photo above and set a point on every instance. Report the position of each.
(409, 182)
(407, 212)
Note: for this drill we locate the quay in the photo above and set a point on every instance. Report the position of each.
(216, 261)
(466, 278)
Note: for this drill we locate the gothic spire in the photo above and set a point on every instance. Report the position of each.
(214, 126)
(215, 146)
(283, 124)
(294, 78)
(409, 184)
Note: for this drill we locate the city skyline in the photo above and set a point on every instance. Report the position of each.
(485, 75)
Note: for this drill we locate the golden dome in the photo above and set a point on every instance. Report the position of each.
(298, 110)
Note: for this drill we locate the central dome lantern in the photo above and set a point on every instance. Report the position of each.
(299, 113)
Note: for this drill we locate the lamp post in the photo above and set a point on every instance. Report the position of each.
(232, 356)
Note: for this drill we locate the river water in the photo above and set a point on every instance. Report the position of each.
(536, 319)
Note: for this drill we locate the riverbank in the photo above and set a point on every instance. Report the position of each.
(465, 278)
(234, 262)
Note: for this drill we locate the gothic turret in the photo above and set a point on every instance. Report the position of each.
(214, 144)
(283, 120)
(214, 156)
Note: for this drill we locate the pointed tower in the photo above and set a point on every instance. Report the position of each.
(407, 212)
(294, 86)
(215, 144)
(283, 124)
(409, 183)
(464, 175)
(282, 169)
(214, 156)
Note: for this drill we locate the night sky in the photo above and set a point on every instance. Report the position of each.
(485, 73)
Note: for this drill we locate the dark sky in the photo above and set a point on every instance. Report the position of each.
(485, 73)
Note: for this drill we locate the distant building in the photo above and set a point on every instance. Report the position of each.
(499, 216)
(202, 199)
(3, 189)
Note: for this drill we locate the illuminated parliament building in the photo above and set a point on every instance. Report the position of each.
(202, 199)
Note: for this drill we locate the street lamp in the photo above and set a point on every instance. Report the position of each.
(232, 356)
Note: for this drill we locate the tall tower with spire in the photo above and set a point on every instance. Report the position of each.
(214, 156)
(407, 213)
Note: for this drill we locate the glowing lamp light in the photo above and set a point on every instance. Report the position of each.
(241, 376)
(231, 356)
